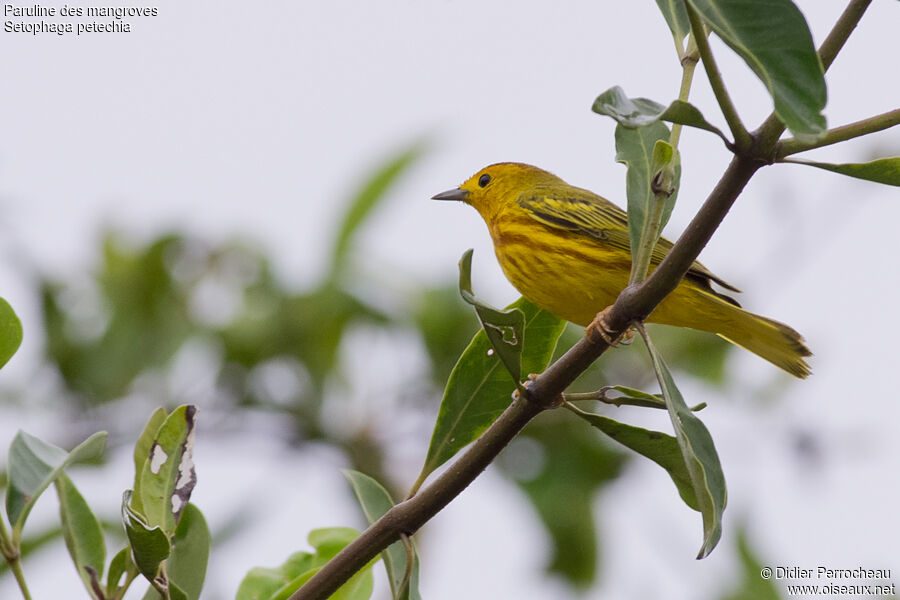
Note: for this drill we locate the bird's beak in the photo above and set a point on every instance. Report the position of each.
(457, 194)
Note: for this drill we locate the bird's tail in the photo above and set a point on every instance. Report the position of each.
(776, 342)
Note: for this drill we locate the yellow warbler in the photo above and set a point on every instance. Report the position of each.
(567, 250)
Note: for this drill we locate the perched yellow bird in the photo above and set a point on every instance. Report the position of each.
(567, 250)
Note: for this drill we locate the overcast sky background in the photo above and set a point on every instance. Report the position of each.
(237, 119)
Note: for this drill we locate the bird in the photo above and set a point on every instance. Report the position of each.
(567, 250)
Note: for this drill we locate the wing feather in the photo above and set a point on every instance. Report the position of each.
(585, 213)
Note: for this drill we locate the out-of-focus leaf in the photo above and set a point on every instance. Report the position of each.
(148, 319)
(505, 329)
(186, 565)
(882, 170)
(660, 448)
(677, 20)
(10, 332)
(560, 465)
(698, 353)
(33, 465)
(634, 148)
(149, 544)
(280, 582)
(479, 387)
(776, 44)
(308, 327)
(367, 199)
(82, 532)
(261, 583)
(445, 326)
(699, 454)
(375, 502)
(752, 586)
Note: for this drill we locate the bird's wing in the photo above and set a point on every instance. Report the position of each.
(585, 213)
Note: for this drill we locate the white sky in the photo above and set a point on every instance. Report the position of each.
(228, 118)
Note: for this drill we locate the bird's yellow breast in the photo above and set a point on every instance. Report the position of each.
(568, 274)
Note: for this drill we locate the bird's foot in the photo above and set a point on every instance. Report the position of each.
(600, 327)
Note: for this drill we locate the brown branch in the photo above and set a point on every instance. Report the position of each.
(633, 304)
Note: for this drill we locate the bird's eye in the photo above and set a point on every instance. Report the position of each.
(484, 180)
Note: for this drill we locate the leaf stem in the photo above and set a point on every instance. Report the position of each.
(11, 552)
(688, 66)
(840, 134)
(742, 138)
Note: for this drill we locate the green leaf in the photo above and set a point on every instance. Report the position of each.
(186, 565)
(505, 329)
(367, 199)
(262, 583)
(142, 453)
(167, 476)
(82, 532)
(640, 112)
(280, 582)
(121, 564)
(149, 544)
(752, 585)
(660, 448)
(479, 389)
(33, 465)
(10, 332)
(882, 170)
(699, 453)
(676, 18)
(686, 113)
(634, 148)
(775, 42)
(628, 112)
(375, 502)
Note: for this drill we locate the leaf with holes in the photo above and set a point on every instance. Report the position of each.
(479, 387)
(167, 476)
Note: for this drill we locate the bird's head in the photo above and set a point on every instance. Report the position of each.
(497, 186)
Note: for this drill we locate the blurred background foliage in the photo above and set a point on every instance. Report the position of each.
(182, 309)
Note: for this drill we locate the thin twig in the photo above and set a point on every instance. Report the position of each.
(841, 134)
(738, 131)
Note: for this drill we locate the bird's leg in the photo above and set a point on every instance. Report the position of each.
(599, 326)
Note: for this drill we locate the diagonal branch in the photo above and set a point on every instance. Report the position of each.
(633, 304)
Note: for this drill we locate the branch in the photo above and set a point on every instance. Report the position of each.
(841, 134)
(635, 303)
